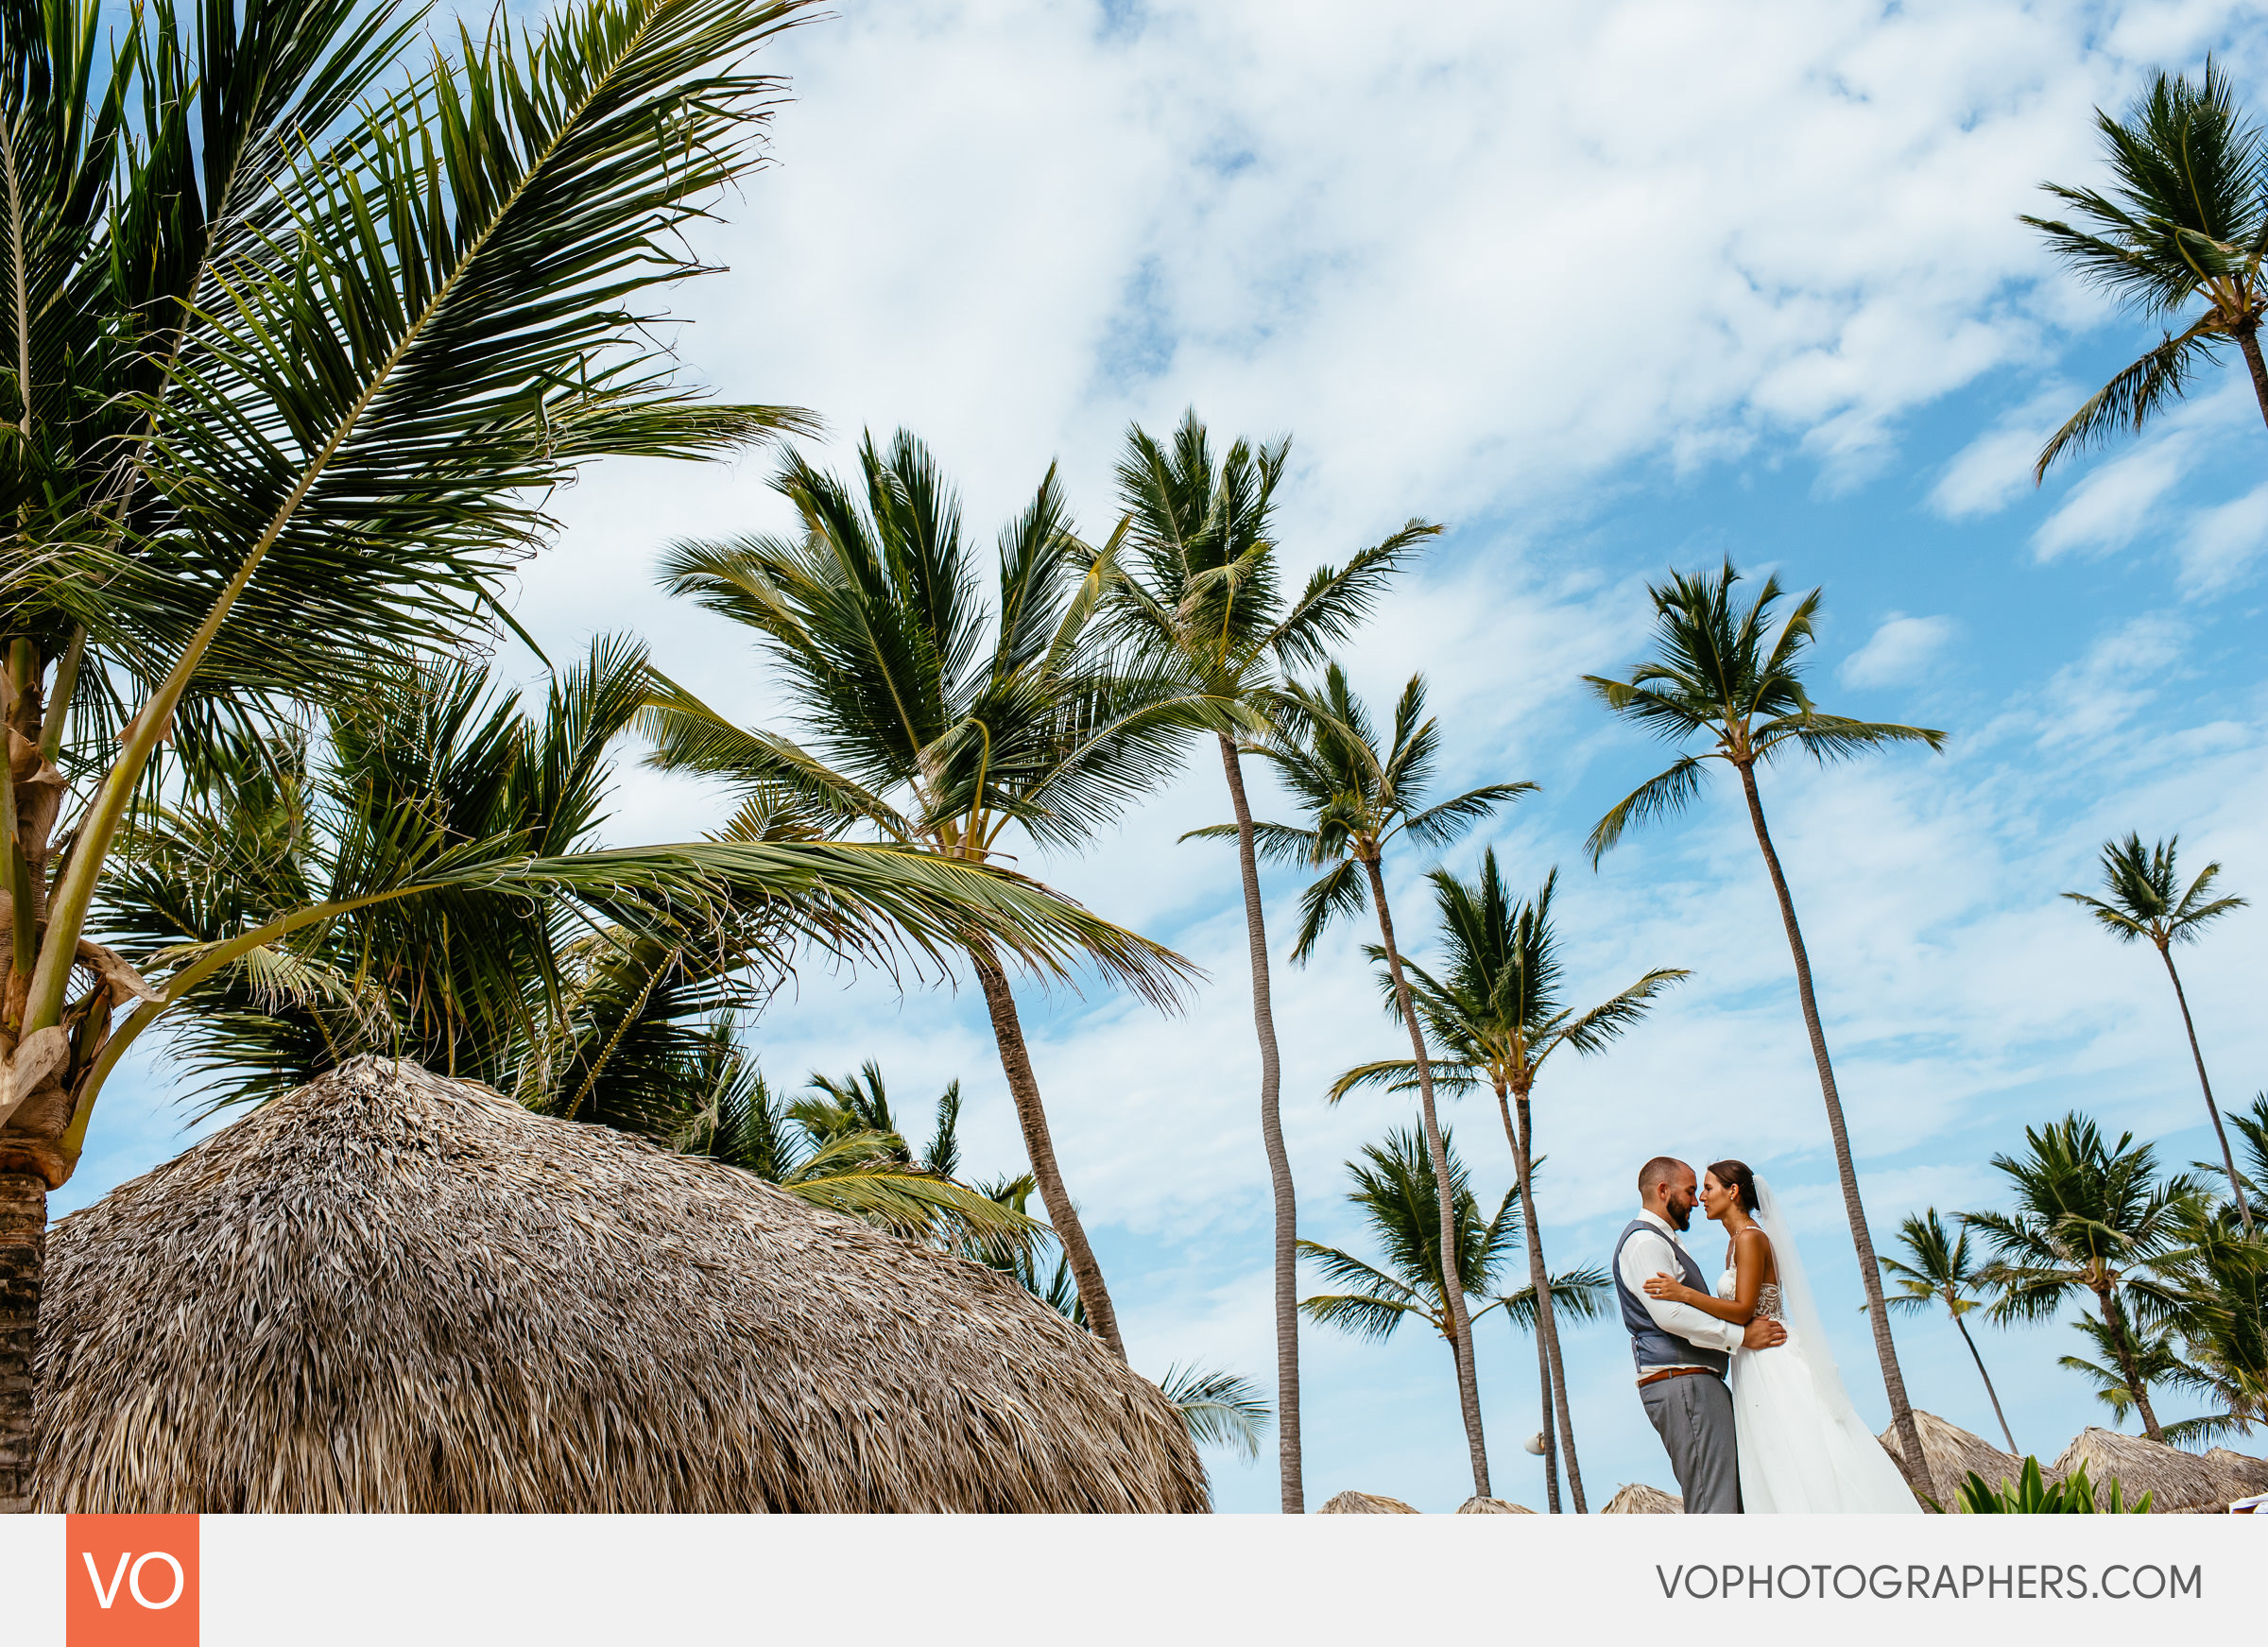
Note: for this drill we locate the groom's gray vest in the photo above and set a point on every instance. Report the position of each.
(1649, 1344)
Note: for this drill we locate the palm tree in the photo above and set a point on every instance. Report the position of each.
(296, 340)
(2147, 901)
(928, 714)
(2091, 1217)
(1583, 1294)
(1938, 1270)
(847, 1156)
(2186, 220)
(2221, 1274)
(1717, 674)
(1494, 1012)
(1359, 799)
(1398, 1192)
(1201, 593)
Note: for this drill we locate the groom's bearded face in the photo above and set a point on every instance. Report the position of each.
(1678, 1201)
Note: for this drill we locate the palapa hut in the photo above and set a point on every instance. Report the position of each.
(1950, 1453)
(2239, 1476)
(1353, 1503)
(2176, 1480)
(393, 1291)
(1637, 1498)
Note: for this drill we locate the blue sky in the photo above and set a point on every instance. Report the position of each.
(1608, 292)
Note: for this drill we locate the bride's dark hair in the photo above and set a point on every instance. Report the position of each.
(1737, 1175)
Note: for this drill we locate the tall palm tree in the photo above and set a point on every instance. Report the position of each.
(1583, 1294)
(2091, 1217)
(929, 715)
(1360, 797)
(2147, 901)
(1494, 1012)
(1202, 592)
(2185, 221)
(2221, 1275)
(1414, 1279)
(1938, 1270)
(1717, 673)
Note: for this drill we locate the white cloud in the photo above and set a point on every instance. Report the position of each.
(2116, 500)
(1899, 652)
(2224, 540)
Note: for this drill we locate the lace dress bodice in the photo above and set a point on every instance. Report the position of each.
(1767, 1296)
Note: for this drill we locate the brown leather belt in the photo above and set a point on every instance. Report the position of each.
(1672, 1372)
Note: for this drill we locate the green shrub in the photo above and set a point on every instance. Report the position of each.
(2033, 1496)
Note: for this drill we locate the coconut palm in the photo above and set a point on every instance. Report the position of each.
(2091, 1217)
(1581, 1295)
(1938, 1270)
(1400, 1195)
(297, 341)
(1717, 673)
(929, 715)
(1494, 1012)
(1360, 797)
(847, 1157)
(2221, 1277)
(2185, 222)
(2147, 901)
(1203, 593)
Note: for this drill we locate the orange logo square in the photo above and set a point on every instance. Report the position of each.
(129, 1580)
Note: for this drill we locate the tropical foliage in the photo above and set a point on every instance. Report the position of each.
(1360, 797)
(1494, 1014)
(1938, 1269)
(2091, 1219)
(1720, 675)
(2030, 1496)
(2146, 901)
(1202, 595)
(2176, 239)
(931, 716)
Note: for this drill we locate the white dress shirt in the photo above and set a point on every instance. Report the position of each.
(1648, 1254)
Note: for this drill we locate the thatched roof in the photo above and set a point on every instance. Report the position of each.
(2240, 1476)
(2178, 1480)
(1638, 1499)
(1353, 1503)
(1476, 1505)
(391, 1291)
(1950, 1453)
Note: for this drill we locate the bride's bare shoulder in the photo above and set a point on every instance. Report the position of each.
(1754, 1247)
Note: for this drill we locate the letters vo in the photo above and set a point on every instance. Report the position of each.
(130, 1580)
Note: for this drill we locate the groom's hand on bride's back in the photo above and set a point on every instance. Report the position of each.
(1763, 1333)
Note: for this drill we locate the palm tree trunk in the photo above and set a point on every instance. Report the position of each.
(1453, 1283)
(1280, 1162)
(1878, 1313)
(1547, 1322)
(1990, 1394)
(2250, 343)
(22, 1252)
(2115, 1318)
(1062, 1217)
(2212, 1110)
(1551, 1448)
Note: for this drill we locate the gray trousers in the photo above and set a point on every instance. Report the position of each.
(1692, 1414)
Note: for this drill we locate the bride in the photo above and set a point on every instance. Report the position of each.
(1803, 1449)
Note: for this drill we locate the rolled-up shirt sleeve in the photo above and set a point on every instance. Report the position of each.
(1647, 1255)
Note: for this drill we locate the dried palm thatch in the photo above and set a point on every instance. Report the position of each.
(1950, 1452)
(2240, 1477)
(1638, 1499)
(1353, 1503)
(2176, 1479)
(391, 1291)
(1479, 1506)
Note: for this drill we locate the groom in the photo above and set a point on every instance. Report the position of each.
(1682, 1353)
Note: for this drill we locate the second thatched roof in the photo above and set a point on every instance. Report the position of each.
(2176, 1479)
(1638, 1499)
(1950, 1453)
(393, 1291)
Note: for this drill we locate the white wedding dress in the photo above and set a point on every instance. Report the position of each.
(1803, 1448)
